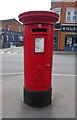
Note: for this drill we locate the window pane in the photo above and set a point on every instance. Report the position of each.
(75, 12)
(2, 37)
(74, 18)
(20, 38)
(13, 38)
(68, 17)
(68, 41)
(68, 13)
(7, 37)
(19, 29)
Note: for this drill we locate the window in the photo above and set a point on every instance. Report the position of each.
(75, 13)
(58, 11)
(13, 38)
(20, 38)
(74, 18)
(19, 29)
(68, 17)
(2, 37)
(7, 37)
(57, 26)
(71, 40)
(0, 30)
(8, 28)
(71, 15)
(22, 29)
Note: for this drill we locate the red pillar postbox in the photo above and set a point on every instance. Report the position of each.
(38, 54)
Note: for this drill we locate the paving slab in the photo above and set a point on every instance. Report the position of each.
(63, 101)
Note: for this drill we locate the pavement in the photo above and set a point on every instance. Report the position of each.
(63, 82)
(14, 50)
(65, 52)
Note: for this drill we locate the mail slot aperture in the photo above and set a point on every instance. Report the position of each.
(39, 30)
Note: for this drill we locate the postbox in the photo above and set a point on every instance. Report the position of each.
(38, 56)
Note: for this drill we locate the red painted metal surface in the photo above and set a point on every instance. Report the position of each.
(38, 26)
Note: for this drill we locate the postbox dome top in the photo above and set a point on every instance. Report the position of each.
(38, 17)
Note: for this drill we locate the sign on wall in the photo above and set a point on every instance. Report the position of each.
(69, 28)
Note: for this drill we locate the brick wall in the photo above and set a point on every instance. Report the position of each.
(13, 27)
(63, 6)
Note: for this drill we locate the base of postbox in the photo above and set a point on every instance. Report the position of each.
(38, 99)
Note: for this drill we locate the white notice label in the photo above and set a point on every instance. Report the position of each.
(39, 45)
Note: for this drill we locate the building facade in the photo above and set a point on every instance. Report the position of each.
(11, 33)
(65, 38)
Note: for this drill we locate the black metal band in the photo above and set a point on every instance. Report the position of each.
(38, 99)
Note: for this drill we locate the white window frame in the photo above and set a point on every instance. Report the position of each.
(71, 10)
(56, 10)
